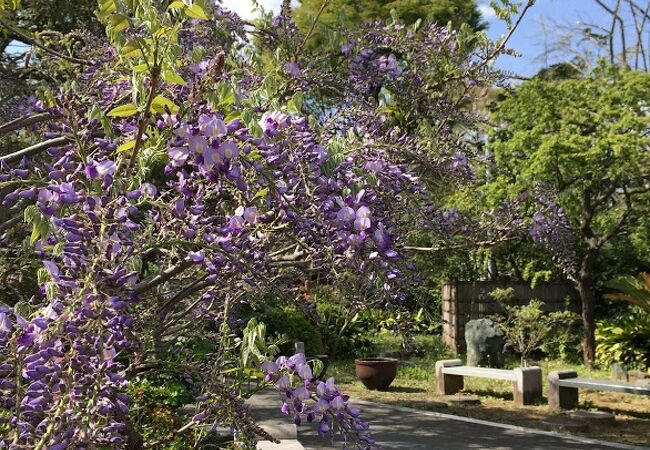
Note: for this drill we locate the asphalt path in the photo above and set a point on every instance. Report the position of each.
(398, 428)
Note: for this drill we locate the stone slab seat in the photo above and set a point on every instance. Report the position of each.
(563, 388)
(526, 381)
(285, 444)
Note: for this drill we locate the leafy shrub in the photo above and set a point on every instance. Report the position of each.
(156, 406)
(624, 339)
(528, 328)
(344, 336)
(633, 290)
(419, 322)
(292, 323)
(566, 344)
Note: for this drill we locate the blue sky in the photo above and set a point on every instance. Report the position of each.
(539, 25)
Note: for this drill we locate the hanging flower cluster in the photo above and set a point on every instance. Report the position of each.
(318, 401)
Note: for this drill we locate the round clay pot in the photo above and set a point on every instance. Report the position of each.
(376, 373)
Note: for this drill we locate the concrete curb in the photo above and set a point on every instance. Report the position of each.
(580, 439)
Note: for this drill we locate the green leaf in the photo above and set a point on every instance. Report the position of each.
(31, 213)
(128, 110)
(160, 102)
(119, 22)
(176, 5)
(196, 12)
(40, 228)
(172, 77)
(296, 102)
(42, 275)
(232, 116)
(107, 6)
(261, 193)
(126, 146)
(133, 49)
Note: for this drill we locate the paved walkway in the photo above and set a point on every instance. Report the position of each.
(397, 428)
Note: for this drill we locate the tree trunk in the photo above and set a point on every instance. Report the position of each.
(585, 287)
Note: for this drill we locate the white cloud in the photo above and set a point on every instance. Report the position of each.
(487, 11)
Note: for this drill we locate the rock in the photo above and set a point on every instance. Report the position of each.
(460, 400)
(485, 342)
(597, 418)
(619, 372)
(564, 423)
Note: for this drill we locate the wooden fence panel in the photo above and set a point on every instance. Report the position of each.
(463, 301)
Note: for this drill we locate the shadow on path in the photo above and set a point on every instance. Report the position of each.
(398, 428)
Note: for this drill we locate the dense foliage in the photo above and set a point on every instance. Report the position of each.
(624, 338)
(351, 14)
(586, 138)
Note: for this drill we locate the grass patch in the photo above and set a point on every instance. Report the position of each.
(415, 387)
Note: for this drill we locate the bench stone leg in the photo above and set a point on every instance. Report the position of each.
(448, 384)
(527, 387)
(562, 397)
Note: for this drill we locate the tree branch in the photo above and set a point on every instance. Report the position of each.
(25, 121)
(162, 277)
(313, 26)
(489, 243)
(34, 149)
(622, 221)
(146, 115)
(28, 40)
(10, 223)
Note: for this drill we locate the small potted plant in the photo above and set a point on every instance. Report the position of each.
(376, 373)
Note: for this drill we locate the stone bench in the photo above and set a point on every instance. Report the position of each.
(285, 444)
(526, 381)
(563, 388)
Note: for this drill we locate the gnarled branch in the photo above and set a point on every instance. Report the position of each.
(25, 121)
(34, 149)
(28, 40)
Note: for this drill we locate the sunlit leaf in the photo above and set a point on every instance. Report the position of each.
(196, 12)
(127, 110)
(172, 77)
(160, 102)
(126, 146)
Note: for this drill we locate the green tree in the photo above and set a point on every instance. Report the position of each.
(588, 139)
(351, 13)
(61, 16)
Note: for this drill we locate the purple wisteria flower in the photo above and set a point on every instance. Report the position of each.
(317, 401)
(95, 170)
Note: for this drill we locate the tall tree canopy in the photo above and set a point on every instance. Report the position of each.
(352, 13)
(587, 139)
(61, 16)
